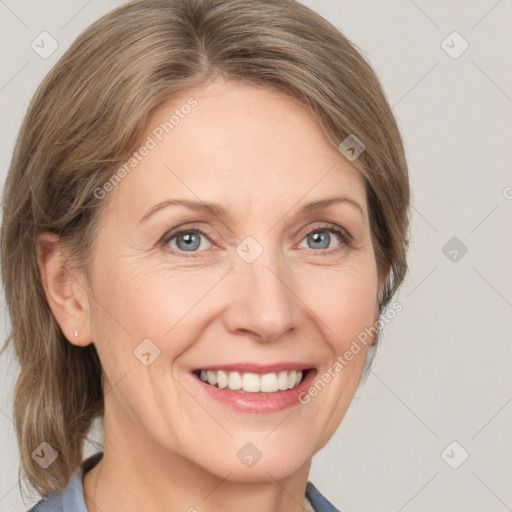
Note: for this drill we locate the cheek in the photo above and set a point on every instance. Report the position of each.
(135, 301)
(345, 300)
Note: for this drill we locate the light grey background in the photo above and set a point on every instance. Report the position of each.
(442, 373)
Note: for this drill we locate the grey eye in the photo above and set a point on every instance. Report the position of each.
(187, 241)
(321, 239)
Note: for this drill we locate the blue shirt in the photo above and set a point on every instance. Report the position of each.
(71, 499)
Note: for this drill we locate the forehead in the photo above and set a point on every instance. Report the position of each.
(239, 145)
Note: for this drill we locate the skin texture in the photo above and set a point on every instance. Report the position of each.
(168, 445)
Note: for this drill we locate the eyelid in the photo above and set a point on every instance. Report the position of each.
(346, 237)
(347, 240)
(182, 229)
(327, 226)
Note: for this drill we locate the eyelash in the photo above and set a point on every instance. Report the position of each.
(345, 237)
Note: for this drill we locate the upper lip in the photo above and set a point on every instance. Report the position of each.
(257, 367)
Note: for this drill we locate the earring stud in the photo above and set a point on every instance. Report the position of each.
(76, 333)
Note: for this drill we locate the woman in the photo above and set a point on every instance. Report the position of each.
(205, 215)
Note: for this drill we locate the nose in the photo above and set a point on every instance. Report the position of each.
(263, 301)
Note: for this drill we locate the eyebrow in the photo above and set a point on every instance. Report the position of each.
(218, 211)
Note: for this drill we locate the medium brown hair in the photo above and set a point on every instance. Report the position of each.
(86, 118)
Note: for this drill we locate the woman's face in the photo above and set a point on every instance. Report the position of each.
(256, 284)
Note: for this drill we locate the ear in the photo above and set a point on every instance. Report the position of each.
(65, 289)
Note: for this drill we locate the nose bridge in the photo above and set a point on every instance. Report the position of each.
(264, 303)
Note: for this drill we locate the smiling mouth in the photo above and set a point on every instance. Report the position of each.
(247, 382)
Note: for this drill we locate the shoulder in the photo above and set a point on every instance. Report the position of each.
(318, 501)
(70, 499)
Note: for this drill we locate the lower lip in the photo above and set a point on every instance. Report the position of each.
(258, 402)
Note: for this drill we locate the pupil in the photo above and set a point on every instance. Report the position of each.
(190, 239)
(319, 237)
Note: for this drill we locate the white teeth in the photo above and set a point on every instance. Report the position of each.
(252, 382)
(212, 378)
(234, 381)
(291, 379)
(282, 381)
(269, 383)
(222, 379)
